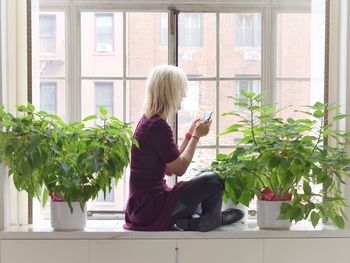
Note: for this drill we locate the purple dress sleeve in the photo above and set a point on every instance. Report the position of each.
(163, 142)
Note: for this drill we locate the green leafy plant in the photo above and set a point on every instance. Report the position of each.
(69, 162)
(279, 159)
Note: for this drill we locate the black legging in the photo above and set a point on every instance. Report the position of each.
(204, 190)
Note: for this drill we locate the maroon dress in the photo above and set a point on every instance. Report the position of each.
(151, 201)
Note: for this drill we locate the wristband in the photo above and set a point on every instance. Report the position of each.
(188, 136)
(195, 137)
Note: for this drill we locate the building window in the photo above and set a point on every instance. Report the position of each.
(248, 31)
(104, 96)
(104, 32)
(47, 32)
(48, 97)
(247, 85)
(164, 29)
(190, 30)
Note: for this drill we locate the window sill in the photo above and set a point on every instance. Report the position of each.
(107, 229)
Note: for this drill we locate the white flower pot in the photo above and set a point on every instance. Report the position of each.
(244, 208)
(268, 213)
(63, 220)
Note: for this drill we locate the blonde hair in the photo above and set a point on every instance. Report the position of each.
(165, 88)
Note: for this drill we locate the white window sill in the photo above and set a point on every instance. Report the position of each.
(112, 229)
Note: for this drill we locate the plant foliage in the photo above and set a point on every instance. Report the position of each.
(290, 156)
(46, 156)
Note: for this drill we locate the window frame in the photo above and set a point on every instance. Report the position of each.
(73, 10)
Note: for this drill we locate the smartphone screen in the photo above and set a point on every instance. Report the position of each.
(206, 116)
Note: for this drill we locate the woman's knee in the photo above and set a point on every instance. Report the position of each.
(213, 180)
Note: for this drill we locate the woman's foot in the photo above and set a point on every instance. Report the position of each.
(231, 215)
(203, 223)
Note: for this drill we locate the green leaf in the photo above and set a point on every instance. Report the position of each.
(247, 94)
(307, 188)
(318, 114)
(339, 221)
(245, 198)
(340, 116)
(90, 117)
(315, 217)
(230, 129)
(103, 111)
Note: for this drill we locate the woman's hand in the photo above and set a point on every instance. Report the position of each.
(202, 128)
(193, 126)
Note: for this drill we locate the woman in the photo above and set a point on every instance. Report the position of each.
(152, 205)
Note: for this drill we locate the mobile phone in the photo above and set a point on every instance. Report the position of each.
(206, 116)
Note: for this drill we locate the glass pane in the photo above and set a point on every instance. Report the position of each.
(96, 93)
(48, 97)
(145, 50)
(101, 44)
(197, 44)
(293, 95)
(240, 44)
(200, 98)
(52, 44)
(104, 32)
(136, 96)
(202, 160)
(293, 57)
(232, 88)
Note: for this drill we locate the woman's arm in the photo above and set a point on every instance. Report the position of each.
(187, 140)
(180, 165)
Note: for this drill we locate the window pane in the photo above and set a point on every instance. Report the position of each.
(96, 93)
(295, 95)
(52, 44)
(143, 38)
(293, 45)
(197, 44)
(164, 29)
(104, 32)
(102, 48)
(202, 160)
(136, 96)
(240, 44)
(47, 32)
(232, 88)
(48, 97)
(200, 98)
(104, 96)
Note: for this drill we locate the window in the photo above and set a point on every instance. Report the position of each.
(104, 33)
(190, 30)
(247, 85)
(164, 30)
(47, 31)
(248, 30)
(216, 70)
(48, 97)
(104, 96)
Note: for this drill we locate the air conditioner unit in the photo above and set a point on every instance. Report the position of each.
(103, 47)
(252, 55)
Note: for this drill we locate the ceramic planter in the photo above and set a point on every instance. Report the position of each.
(268, 213)
(63, 220)
(229, 204)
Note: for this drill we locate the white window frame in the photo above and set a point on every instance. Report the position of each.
(73, 20)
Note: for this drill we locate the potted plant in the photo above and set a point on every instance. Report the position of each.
(286, 164)
(70, 163)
